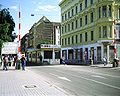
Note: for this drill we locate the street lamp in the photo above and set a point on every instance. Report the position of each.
(14, 36)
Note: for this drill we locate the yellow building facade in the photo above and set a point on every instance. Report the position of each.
(87, 29)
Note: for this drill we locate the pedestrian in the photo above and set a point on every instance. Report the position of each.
(5, 63)
(40, 57)
(116, 61)
(91, 61)
(23, 62)
(15, 60)
(63, 60)
(104, 61)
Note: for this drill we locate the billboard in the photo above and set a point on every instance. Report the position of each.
(9, 48)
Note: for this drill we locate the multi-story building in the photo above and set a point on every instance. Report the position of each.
(87, 29)
(44, 39)
(24, 43)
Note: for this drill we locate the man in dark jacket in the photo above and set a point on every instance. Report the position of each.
(23, 62)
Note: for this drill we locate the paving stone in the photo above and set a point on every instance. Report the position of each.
(26, 83)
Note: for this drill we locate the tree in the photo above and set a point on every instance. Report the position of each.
(7, 26)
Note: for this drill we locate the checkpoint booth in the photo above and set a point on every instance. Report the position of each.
(49, 53)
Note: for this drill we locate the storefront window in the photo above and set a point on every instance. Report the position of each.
(47, 54)
(57, 55)
(98, 53)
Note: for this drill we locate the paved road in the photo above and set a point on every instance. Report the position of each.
(82, 80)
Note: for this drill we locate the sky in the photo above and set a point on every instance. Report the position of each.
(48, 8)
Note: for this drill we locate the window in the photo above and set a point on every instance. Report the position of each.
(69, 14)
(72, 39)
(68, 40)
(76, 23)
(62, 18)
(109, 11)
(72, 25)
(76, 9)
(62, 30)
(110, 31)
(92, 35)
(65, 41)
(47, 54)
(68, 27)
(86, 36)
(57, 55)
(91, 1)
(81, 7)
(65, 28)
(92, 17)
(85, 3)
(99, 32)
(62, 41)
(72, 12)
(85, 19)
(80, 37)
(80, 22)
(76, 38)
(104, 31)
(65, 16)
(99, 12)
(119, 13)
(104, 11)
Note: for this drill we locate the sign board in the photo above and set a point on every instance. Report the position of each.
(50, 46)
(9, 48)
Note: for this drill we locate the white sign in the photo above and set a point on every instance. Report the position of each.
(9, 48)
(49, 46)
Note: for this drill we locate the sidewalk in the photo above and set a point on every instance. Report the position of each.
(106, 66)
(26, 83)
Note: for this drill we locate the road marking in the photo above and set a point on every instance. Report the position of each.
(98, 76)
(54, 74)
(115, 87)
(64, 78)
(104, 74)
(100, 82)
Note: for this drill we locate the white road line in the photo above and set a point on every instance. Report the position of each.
(99, 73)
(98, 76)
(54, 74)
(115, 87)
(63, 78)
(100, 83)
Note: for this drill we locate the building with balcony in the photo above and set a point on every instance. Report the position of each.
(87, 29)
(44, 39)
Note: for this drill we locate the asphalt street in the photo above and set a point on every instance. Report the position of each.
(81, 80)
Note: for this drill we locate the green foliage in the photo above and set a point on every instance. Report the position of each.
(6, 26)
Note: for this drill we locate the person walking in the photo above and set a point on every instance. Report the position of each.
(23, 62)
(40, 57)
(104, 61)
(116, 61)
(5, 63)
